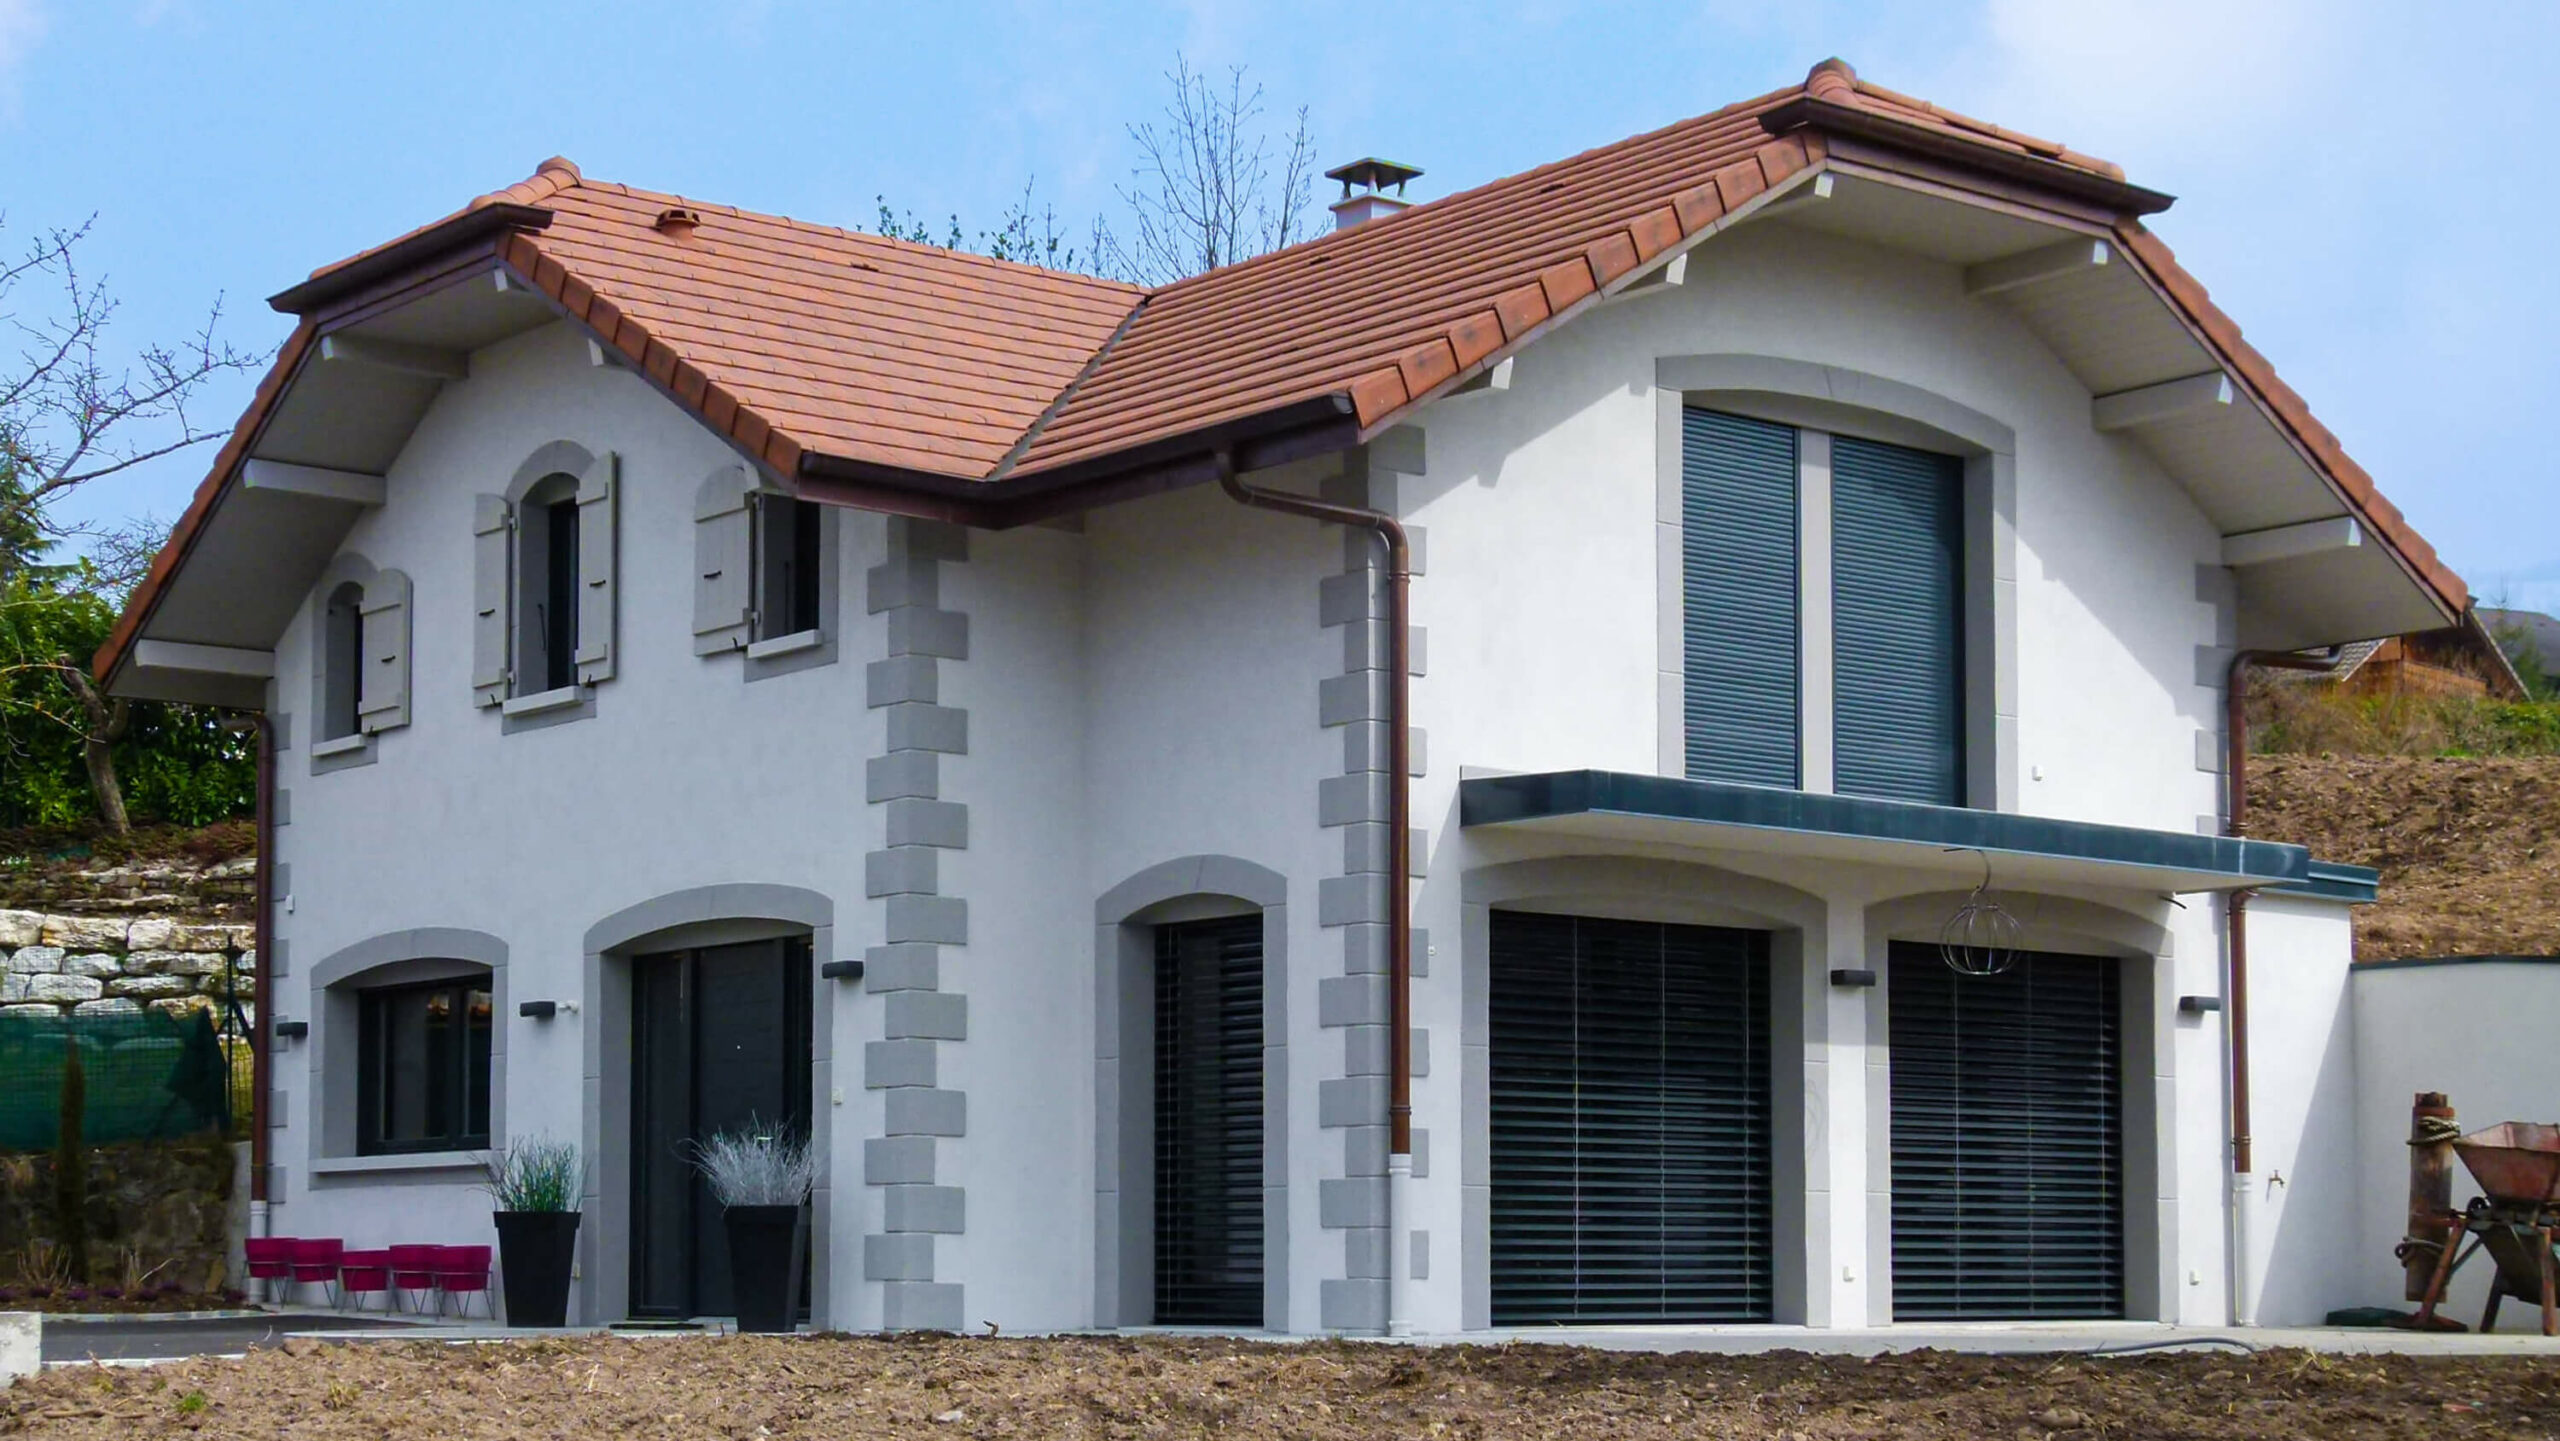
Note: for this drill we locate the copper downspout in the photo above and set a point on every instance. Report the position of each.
(1399, 775)
(2235, 731)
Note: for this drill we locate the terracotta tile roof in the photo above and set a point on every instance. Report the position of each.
(918, 367)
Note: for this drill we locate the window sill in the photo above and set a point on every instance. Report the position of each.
(342, 746)
(547, 700)
(410, 1162)
(798, 640)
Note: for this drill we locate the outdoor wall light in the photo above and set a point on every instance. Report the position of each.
(292, 1030)
(1847, 977)
(539, 1010)
(841, 970)
(2199, 1005)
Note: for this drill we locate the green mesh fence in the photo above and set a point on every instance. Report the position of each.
(146, 1076)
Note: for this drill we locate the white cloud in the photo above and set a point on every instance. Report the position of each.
(22, 26)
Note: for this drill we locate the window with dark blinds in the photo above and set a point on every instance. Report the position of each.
(1897, 585)
(1741, 648)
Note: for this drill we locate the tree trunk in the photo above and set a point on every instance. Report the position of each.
(107, 722)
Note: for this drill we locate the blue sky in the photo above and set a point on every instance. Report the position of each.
(2360, 184)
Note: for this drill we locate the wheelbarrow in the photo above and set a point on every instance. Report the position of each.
(2514, 1219)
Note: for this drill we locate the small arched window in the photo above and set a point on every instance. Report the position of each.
(547, 586)
(342, 662)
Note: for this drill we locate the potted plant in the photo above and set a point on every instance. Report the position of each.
(761, 1177)
(535, 1186)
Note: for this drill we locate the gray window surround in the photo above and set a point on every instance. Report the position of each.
(2148, 995)
(1199, 887)
(1823, 400)
(770, 656)
(551, 461)
(375, 587)
(696, 916)
(392, 958)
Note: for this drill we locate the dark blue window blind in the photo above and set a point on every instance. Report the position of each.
(1738, 569)
(1897, 557)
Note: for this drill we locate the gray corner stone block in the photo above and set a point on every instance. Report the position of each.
(1357, 1201)
(901, 581)
(1421, 1154)
(279, 1108)
(902, 678)
(1364, 1253)
(1364, 1150)
(2209, 752)
(943, 920)
(914, 630)
(1421, 951)
(1351, 1000)
(898, 1161)
(917, 822)
(1349, 800)
(916, 726)
(937, 1210)
(1349, 597)
(1364, 848)
(901, 870)
(908, 966)
(2216, 585)
(915, 1112)
(1364, 949)
(925, 1016)
(1360, 547)
(920, 1306)
(1364, 1051)
(1421, 1046)
(2213, 666)
(1359, 1307)
(1351, 900)
(902, 775)
(904, 1257)
(897, 1063)
(1341, 699)
(1352, 1101)
(1418, 1266)
(928, 539)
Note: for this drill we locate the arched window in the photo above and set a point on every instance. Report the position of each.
(342, 662)
(547, 586)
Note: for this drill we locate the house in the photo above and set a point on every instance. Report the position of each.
(2458, 660)
(1429, 780)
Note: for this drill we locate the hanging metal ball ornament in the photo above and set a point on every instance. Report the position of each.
(1981, 938)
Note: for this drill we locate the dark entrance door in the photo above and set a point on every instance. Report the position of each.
(1209, 1123)
(1631, 1152)
(720, 1041)
(2008, 1162)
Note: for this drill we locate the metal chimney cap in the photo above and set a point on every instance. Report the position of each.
(1372, 173)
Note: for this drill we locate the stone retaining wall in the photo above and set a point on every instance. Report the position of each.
(91, 965)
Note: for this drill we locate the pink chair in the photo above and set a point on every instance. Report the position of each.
(413, 1272)
(271, 1261)
(462, 1271)
(363, 1273)
(315, 1263)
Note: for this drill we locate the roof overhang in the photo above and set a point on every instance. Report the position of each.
(1621, 808)
(2315, 563)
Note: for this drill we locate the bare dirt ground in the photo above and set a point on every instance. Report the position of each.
(945, 1387)
(2469, 848)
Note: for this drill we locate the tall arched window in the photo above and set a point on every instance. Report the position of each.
(342, 662)
(547, 586)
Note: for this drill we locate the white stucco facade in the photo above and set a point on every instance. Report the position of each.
(1145, 693)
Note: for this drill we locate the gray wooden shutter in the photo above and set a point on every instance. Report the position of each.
(382, 692)
(1742, 655)
(1897, 546)
(596, 552)
(492, 527)
(723, 562)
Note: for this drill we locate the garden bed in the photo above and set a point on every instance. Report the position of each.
(848, 1387)
(114, 1301)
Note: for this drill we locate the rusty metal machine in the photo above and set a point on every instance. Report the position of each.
(2515, 1219)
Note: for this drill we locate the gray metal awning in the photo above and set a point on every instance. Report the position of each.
(1616, 806)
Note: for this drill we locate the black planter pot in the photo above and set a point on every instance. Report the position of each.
(535, 1252)
(767, 1246)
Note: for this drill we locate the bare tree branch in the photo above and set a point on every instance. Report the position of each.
(69, 413)
(1203, 193)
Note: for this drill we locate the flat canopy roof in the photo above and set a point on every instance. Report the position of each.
(1664, 809)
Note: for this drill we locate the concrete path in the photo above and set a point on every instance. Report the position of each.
(144, 1339)
(2016, 1338)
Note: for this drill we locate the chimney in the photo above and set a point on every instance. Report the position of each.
(1371, 201)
